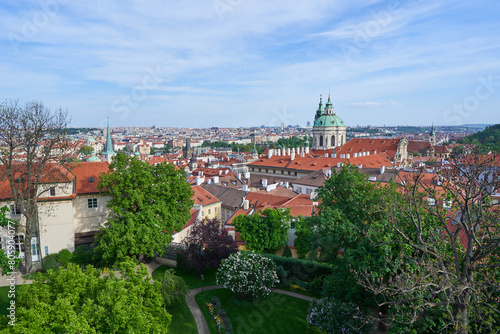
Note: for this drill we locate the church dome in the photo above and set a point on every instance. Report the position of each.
(328, 120)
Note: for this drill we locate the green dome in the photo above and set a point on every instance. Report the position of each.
(93, 159)
(137, 153)
(328, 120)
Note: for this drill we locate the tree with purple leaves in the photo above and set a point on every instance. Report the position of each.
(207, 245)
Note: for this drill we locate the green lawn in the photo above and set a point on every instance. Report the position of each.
(182, 318)
(193, 280)
(4, 299)
(274, 314)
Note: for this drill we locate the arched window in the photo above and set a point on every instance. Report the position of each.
(320, 140)
(333, 141)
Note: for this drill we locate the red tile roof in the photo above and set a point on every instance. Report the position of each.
(203, 197)
(84, 171)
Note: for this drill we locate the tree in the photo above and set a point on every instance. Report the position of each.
(207, 245)
(333, 316)
(247, 274)
(173, 288)
(33, 143)
(148, 204)
(72, 300)
(448, 231)
(85, 149)
(264, 232)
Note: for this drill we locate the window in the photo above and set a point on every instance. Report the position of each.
(209, 211)
(91, 179)
(308, 191)
(46, 249)
(1, 243)
(34, 249)
(19, 243)
(267, 170)
(92, 203)
(295, 173)
(215, 210)
(274, 171)
(52, 191)
(202, 213)
(15, 210)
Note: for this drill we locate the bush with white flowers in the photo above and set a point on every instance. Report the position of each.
(247, 274)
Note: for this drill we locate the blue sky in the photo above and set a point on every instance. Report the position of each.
(250, 63)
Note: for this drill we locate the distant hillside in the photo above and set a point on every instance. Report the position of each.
(489, 138)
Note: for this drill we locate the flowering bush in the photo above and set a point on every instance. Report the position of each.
(247, 274)
(333, 316)
(223, 323)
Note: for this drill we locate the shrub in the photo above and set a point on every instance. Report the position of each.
(247, 274)
(282, 274)
(64, 257)
(315, 286)
(287, 252)
(333, 316)
(83, 255)
(302, 269)
(50, 262)
(4, 262)
(173, 288)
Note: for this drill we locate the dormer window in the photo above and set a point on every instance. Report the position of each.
(91, 179)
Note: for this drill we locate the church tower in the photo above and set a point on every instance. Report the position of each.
(108, 154)
(432, 136)
(329, 130)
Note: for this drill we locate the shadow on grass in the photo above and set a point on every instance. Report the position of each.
(193, 280)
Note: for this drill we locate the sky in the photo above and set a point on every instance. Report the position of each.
(240, 63)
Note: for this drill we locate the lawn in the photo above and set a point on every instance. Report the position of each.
(182, 318)
(192, 280)
(4, 299)
(275, 314)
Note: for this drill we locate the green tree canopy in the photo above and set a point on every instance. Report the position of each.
(72, 300)
(148, 204)
(85, 149)
(264, 232)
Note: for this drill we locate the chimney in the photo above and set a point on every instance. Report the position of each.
(307, 149)
(288, 151)
(292, 156)
(338, 164)
(348, 155)
(270, 153)
(375, 152)
(239, 176)
(246, 204)
(328, 172)
(360, 166)
(354, 155)
(382, 169)
(326, 155)
(279, 152)
(200, 181)
(216, 179)
(227, 170)
(302, 154)
(287, 185)
(247, 175)
(367, 153)
(264, 182)
(209, 181)
(220, 172)
(245, 188)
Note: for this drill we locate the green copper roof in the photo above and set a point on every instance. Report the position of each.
(93, 159)
(432, 130)
(109, 143)
(320, 110)
(328, 120)
(329, 102)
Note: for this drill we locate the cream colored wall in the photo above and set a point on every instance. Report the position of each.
(86, 219)
(56, 226)
(62, 189)
(179, 237)
(212, 213)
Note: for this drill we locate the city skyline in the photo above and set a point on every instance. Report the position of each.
(233, 63)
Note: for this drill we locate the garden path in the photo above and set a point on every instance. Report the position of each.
(198, 315)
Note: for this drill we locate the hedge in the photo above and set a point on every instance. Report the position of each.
(301, 269)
